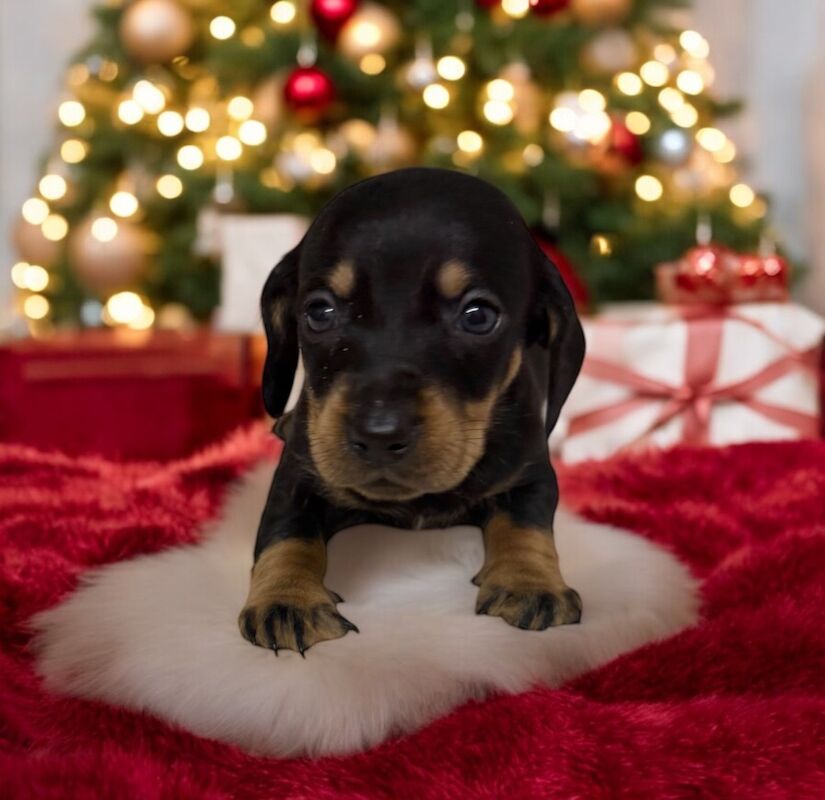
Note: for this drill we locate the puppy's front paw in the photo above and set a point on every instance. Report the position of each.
(530, 608)
(288, 625)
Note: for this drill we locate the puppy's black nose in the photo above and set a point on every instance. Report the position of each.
(381, 434)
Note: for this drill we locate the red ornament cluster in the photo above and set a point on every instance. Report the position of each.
(309, 92)
(546, 8)
(330, 16)
(713, 274)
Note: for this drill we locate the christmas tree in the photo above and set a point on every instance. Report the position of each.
(595, 116)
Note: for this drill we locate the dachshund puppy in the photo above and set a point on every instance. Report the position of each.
(439, 344)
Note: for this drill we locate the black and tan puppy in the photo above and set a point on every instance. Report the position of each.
(439, 345)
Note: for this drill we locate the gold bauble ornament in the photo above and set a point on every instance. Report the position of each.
(600, 12)
(611, 51)
(32, 246)
(528, 100)
(267, 99)
(104, 264)
(392, 147)
(155, 31)
(371, 29)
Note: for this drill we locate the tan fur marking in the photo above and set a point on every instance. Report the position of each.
(452, 279)
(342, 279)
(288, 606)
(521, 569)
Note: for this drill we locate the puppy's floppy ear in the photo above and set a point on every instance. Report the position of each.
(556, 325)
(278, 313)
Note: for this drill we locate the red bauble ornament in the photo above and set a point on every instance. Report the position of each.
(331, 15)
(623, 142)
(309, 92)
(546, 8)
(575, 285)
(707, 266)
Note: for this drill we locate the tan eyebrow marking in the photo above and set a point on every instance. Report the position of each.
(342, 279)
(452, 279)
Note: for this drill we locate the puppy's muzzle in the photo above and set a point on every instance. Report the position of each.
(382, 425)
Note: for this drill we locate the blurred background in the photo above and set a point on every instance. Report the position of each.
(157, 156)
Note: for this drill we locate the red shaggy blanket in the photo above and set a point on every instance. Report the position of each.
(732, 708)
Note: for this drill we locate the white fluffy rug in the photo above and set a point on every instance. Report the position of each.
(158, 633)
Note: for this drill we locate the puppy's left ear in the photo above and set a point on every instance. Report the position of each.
(556, 325)
(278, 313)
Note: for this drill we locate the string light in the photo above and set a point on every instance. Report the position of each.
(712, 139)
(222, 27)
(18, 274)
(197, 119)
(726, 154)
(283, 12)
(124, 308)
(637, 123)
(436, 96)
(498, 112)
(592, 127)
(365, 35)
(73, 151)
(532, 155)
(190, 156)
(36, 306)
(130, 112)
(372, 64)
(123, 204)
(252, 132)
(685, 116)
(469, 142)
(35, 278)
(515, 8)
(695, 44)
(592, 101)
(601, 245)
(104, 229)
(52, 187)
(500, 90)
(35, 210)
(55, 227)
(563, 119)
(741, 195)
(690, 82)
(322, 160)
(240, 107)
(671, 99)
(149, 97)
(170, 123)
(648, 188)
(629, 83)
(253, 36)
(228, 148)
(71, 113)
(451, 68)
(169, 186)
(654, 73)
(665, 53)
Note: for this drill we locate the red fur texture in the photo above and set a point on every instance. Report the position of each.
(732, 708)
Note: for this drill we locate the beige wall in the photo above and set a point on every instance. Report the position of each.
(764, 51)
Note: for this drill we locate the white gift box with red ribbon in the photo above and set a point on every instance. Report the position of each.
(658, 375)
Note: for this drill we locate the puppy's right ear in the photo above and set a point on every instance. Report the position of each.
(280, 325)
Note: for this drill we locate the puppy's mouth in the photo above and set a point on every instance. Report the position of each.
(384, 488)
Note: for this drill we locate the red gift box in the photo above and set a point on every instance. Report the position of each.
(128, 394)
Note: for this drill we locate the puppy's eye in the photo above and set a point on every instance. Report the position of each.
(478, 317)
(320, 315)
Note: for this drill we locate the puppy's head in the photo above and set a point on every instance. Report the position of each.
(413, 298)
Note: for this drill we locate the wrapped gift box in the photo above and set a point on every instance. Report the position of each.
(128, 394)
(659, 375)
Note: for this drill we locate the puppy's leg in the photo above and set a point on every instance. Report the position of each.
(521, 580)
(288, 606)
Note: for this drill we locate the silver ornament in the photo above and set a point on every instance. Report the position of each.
(673, 147)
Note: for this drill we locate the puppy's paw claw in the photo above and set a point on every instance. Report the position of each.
(530, 608)
(288, 626)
